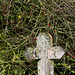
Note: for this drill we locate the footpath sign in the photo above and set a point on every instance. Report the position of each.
(44, 51)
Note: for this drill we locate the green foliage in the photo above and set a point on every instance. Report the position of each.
(21, 22)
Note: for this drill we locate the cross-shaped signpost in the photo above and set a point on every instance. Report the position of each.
(44, 51)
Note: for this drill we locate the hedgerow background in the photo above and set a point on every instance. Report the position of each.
(20, 23)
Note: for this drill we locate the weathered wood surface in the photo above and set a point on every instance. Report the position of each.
(43, 45)
(44, 51)
(45, 67)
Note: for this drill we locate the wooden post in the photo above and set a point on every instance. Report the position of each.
(44, 51)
